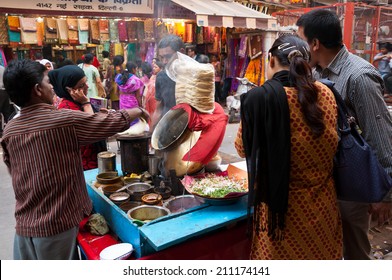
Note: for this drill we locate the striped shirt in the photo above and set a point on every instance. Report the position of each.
(362, 88)
(42, 151)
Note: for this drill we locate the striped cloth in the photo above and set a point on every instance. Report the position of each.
(362, 87)
(42, 151)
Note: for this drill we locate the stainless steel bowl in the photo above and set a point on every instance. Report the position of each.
(146, 213)
(181, 203)
(137, 190)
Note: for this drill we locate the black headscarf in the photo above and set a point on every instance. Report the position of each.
(265, 120)
(66, 76)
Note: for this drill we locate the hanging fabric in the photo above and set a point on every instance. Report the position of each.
(13, 30)
(63, 31)
(3, 31)
(243, 46)
(140, 31)
(149, 30)
(104, 30)
(118, 49)
(94, 31)
(180, 30)
(132, 52)
(113, 31)
(132, 31)
(83, 25)
(188, 33)
(73, 36)
(40, 32)
(122, 31)
(199, 35)
(28, 29)
(51, 35)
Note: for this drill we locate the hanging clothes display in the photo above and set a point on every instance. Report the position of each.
(199, 35)
(40, 32)
(149, 30)
(140, 31)
(113, 31)
(62, 31)
(51, 35)
(83, 25)
(189, 33)
(94, 31)
(28, 29)
(253, 72)
(122, 31)
(104, 30)
(132, 31)
(13, 30)
(242, 52)
(3, 31)
(73, 37)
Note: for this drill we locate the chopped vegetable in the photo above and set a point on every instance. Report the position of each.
(215, 186)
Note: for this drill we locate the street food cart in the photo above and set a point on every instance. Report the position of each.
(202, 232)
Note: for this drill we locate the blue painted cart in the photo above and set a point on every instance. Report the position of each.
(161, 238)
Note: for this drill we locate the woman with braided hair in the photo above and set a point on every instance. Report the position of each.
(289, 138)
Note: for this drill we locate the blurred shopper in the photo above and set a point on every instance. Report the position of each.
(362, 88)
(149, 101)
(6, 109)
(111, 86)
(41, 148)
(93, 78)
(289, 140)
(130, 87)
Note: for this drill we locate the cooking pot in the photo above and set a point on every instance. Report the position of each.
(170, 130)
(146, 213)
(172, 136)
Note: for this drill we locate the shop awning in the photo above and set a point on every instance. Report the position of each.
(227, 14)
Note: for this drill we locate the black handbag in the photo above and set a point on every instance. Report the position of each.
(357, 172)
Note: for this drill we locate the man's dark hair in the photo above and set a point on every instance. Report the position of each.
(38, 55)
(105, 54)
(118, 60)
(88, 58)
(20, 77)
(172, 41)
(202, 58)
(323, 25)
(146, 69)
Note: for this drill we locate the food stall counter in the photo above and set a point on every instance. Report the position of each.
(180, 229)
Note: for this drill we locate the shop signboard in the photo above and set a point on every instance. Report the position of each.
(85, 6)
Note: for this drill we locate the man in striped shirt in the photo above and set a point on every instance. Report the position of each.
(361, 86)
(42, 152)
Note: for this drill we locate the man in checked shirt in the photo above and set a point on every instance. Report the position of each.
(362, 87)
(42, 152)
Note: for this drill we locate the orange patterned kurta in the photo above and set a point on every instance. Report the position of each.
(313, 227)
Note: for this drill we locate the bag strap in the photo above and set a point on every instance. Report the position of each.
(343, 115)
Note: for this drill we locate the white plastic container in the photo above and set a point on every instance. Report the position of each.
(120, 251)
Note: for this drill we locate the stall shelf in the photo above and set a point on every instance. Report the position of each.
(221, 228)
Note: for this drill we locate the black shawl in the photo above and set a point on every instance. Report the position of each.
(266, 137)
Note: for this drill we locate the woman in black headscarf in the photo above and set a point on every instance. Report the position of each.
(70, 84)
